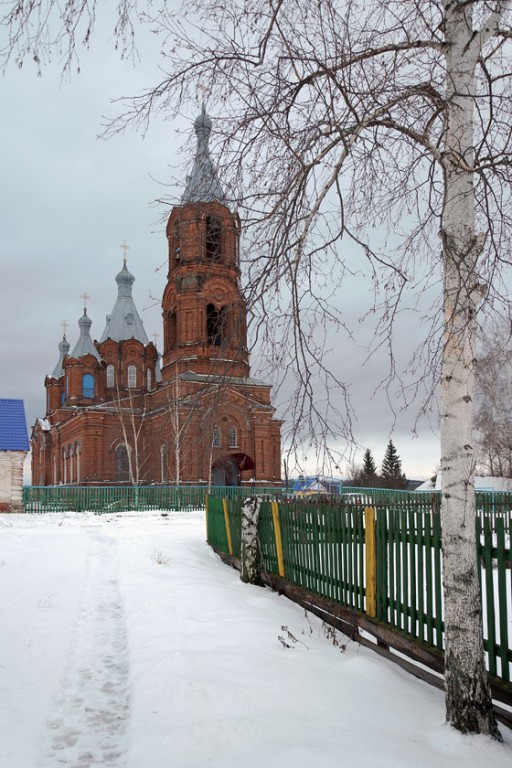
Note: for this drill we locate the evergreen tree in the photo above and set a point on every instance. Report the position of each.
(369, 474)
(391, 473)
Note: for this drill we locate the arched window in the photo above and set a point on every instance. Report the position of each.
(213, 238)
(170, 335)
(215, 325)
(122, 464)
(111, 376)
(55, 470)
(216, 441)
(132, 377)
(149, 379)
(87, 385)
(232, 438)
(71, 463)
(77, 462)
(177, 245)
(64, 466)
(163, 463)
(41, 462)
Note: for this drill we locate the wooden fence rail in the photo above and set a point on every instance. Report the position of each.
(382, 561)
(105, 499)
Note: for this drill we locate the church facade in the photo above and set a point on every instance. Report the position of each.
(117, 413)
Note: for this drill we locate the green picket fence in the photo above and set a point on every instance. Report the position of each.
(489, 504)
(408, 578)
(104, 499)
(496, 587)
(324, 549)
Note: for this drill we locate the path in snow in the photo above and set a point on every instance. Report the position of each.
(87, 726)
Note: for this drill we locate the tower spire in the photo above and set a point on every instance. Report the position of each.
(203, 185)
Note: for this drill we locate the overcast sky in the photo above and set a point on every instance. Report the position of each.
(69, 199)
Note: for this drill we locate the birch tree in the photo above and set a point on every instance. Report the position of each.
(181, 411)
(131, 413)
(249, 547)
(341, 124)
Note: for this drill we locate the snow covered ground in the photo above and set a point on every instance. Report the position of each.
(125, 642)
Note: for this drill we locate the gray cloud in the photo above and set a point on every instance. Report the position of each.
(68, 199)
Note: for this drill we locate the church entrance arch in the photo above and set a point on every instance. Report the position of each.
(226, 471)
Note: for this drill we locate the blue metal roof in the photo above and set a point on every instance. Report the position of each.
(13, 426)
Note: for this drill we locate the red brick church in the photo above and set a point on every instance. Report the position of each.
(115, 415)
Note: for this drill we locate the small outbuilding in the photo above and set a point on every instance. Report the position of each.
(13, 450)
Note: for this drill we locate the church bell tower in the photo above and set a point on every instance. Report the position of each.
(204, 313)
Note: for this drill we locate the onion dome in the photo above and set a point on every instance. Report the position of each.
(203, 186)
(64, 347)
(85, 345)
(124, 322)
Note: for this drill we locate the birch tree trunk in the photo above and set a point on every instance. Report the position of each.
(250, 549)
(468, 701)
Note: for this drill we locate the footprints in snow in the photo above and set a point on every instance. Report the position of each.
(87, 727)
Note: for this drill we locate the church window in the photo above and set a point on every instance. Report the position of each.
(129, 318)
(232, 438)
(177, 245)
(149, 379)
(214, 325)
(171, 331)
(41, 459)
(87, 385)
(132, 377)
(216, 442)
(111, 376)
(122, 464)
(213, 238)
(163, 463)
(71, 454)
(77, 462)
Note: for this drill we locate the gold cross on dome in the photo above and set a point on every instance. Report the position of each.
(125, 248)
(65, 326)
(85, 296)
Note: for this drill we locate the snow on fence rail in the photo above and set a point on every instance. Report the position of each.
(384, 561)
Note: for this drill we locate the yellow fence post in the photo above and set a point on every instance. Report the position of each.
(277, 534)
(371, 561)
(228, 529)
